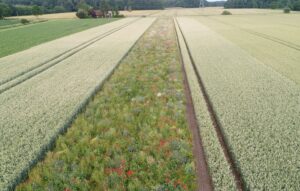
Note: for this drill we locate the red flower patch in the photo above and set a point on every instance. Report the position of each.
(120, 170)
(162, 143)
(129, 173)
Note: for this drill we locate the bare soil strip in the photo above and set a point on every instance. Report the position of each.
(204, 179)
(229, 156)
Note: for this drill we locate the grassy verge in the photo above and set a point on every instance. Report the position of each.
(10, 24)
(18, 39)
(7, 22)
(133, 135)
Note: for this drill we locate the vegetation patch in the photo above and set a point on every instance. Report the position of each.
(133, 135)
(24, 21)
(225, 12)
(286, 10)
(8, 22)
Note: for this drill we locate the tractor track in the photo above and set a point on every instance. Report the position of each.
(264, 36)
(203, 176)
(240, 184)
(36, 70)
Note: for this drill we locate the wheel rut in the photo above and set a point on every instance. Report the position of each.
(240, 184)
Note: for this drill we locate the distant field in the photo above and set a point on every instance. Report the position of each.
(72, 15)
(166, 12)
(18, 39)
(272, 39)
(69, 15)
(8, 24)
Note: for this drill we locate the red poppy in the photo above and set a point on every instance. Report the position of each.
(129, 173)
(162, 143)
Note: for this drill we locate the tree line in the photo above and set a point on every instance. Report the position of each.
(26, 7)
(273, 4)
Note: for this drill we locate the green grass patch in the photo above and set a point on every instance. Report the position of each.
(21, 38)
(133, 135)
(6, 22)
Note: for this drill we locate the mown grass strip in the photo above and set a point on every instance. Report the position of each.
(12, 41)
(133, 135)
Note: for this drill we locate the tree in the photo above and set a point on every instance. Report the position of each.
(4, 10)
(104, 7)
(296, 6)
(36, 10)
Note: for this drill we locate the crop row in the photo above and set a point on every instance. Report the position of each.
(258, 108)
(17, 64)
(34, 113)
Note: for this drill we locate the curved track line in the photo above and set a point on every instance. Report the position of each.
(216, 123)
(264, 36)
(203, 176)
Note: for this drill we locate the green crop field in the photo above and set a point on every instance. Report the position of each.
(18, 39)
